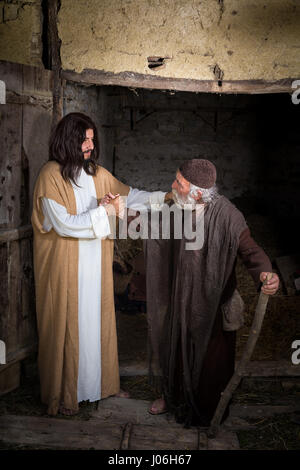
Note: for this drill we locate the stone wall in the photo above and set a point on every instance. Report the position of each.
(155, 131)
(252, 139)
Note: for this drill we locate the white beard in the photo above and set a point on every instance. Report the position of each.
(184, 202)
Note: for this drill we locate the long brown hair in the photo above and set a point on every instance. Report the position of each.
(65, 146)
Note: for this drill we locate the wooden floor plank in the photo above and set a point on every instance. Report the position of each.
(281, 368)
(225, 440)
(38, 432)
(258, 411)
(163, 438)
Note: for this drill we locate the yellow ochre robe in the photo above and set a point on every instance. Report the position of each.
(56, 275)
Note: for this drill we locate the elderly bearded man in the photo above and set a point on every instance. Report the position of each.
(193, 306)
(78, 357)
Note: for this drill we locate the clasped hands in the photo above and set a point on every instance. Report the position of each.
(113, 204)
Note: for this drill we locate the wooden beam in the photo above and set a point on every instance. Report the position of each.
(54, 53)
(16, 234)
(280, 368)
(136, 80)
(18, 356)
(30, 99)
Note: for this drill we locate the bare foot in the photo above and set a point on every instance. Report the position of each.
(122, 394)
(158, 407)
(66, 411)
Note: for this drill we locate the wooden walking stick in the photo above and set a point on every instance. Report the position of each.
(240, 370)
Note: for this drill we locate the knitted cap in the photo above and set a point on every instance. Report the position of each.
(199, 172)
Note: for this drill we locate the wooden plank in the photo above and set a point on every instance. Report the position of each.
(14, 357)
(25, 78)
(158, 438)
(37, 80)
(272, 369)
(21, 321)
(202, 442)
(10, 378)
(4, 297)
(129, 410)
(261, 411)
(26, 314)
(225, 440)
(142, 430)
(12, 339)
(24, 119)
(11, 75)
(30, 99)
(54, 53)
(54, 433)
(135, 80)
(126, 437)
(18, 321)
(35, 132)
(280, 368)
(10, 165)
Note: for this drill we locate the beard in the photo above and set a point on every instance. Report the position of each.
(182, 201)
(87, 161)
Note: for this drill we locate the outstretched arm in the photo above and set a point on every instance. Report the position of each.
(142, 200)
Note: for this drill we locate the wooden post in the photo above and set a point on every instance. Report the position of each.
(55, 61)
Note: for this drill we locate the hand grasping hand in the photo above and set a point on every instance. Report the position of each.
(114, 205)
(104, 200)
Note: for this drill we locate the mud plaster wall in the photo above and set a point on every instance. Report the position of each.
(248, 40)
(20, 32)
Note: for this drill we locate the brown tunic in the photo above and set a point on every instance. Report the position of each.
(191, 356)
(56, 281)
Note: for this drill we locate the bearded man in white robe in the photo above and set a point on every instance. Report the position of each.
(73, 199)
